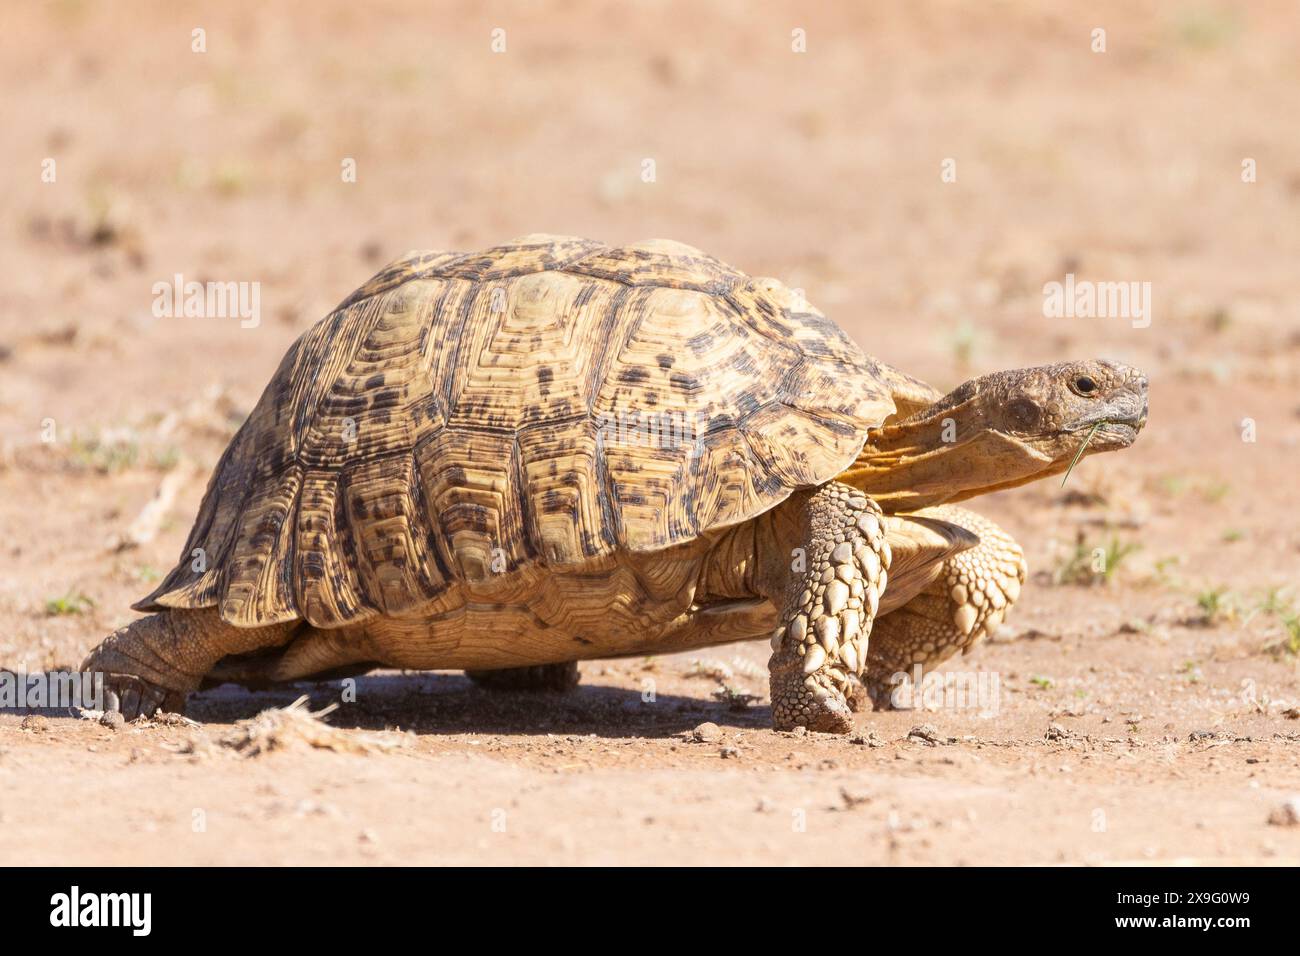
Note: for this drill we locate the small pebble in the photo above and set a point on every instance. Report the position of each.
(1286, 814)
(707, 732)
(927, 734)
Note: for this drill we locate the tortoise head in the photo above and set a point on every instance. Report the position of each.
(1001, 430)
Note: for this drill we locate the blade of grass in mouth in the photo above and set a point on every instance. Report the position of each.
(1079, 454)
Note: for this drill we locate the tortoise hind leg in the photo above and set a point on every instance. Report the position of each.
(157, 661)
(548, 677)
(963, 605)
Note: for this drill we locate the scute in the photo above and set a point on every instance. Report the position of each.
(547, 402)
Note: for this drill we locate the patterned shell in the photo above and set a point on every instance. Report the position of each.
(547, 401)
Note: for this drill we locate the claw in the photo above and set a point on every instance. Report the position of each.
(130, 701)
(835, 719)
(153, 701)
(134, 697)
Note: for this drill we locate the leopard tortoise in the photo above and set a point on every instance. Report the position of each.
(555, 450)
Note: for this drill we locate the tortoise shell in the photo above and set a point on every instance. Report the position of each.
(546, 402)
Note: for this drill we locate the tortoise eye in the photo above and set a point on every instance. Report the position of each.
(1084, 385)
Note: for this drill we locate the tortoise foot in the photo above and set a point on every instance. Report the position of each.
(134, 697)
(813, 702)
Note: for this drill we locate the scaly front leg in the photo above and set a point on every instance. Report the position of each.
(839, 570)
(963, 606)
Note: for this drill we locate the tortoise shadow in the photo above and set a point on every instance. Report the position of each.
(446, 704)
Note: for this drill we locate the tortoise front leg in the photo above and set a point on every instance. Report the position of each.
(155, 662)
(963, 605)
(838, 569)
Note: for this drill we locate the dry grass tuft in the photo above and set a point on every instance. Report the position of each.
(295, 727)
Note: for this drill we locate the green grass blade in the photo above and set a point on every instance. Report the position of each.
(1079, 453)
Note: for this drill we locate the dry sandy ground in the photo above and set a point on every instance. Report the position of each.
(1142, 717)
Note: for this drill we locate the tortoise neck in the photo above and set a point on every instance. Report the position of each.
(931, 460)
(913, 464)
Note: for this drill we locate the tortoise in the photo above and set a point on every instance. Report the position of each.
(554, 450)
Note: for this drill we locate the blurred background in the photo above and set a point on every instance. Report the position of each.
(920, 170)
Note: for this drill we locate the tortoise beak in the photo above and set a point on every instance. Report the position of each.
(1132, 400)
(1125, 412)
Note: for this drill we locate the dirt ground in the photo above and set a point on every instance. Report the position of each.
(1146, 714)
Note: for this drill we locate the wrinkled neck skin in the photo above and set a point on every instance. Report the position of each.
(929, 460)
